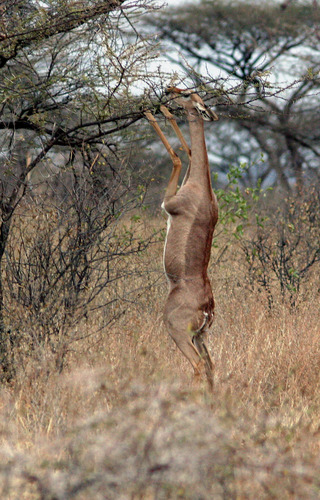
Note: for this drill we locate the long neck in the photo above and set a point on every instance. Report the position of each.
(199, 158)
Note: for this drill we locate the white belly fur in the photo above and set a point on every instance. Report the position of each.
(165, 244)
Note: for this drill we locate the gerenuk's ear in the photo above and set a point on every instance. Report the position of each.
(206, 113)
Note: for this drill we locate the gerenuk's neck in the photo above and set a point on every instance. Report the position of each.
(199, 157)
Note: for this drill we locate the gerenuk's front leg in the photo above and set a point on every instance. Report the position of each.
(175, 174)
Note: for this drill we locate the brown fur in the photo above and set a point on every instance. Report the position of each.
(192, 216)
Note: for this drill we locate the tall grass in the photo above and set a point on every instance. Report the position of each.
(125, 420)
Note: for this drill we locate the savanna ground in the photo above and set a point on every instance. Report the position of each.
(124, 419)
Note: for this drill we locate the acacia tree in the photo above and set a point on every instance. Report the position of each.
(67, 71)
(266, 58)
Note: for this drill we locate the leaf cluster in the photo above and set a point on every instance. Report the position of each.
(236, 204)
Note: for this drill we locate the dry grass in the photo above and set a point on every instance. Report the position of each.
(126, 421)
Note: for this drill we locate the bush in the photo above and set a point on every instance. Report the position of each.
(281, 253)
(65, 255)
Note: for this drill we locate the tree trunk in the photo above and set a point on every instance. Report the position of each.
(5, 368)
(297, 164)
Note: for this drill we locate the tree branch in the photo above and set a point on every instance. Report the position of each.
(60, 22)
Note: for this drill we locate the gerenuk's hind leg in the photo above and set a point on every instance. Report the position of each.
(199, 341)
(191, 353)
(183, 340)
